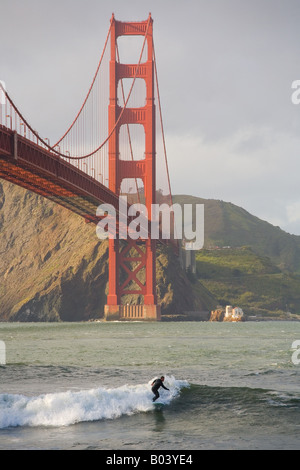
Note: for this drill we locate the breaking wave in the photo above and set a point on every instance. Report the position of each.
(67, 408)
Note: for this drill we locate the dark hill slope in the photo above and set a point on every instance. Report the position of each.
(228, 225)
(237, 276)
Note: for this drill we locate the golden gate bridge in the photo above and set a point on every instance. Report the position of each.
(114, 147)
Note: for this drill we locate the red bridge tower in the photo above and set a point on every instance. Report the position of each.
(132, 257)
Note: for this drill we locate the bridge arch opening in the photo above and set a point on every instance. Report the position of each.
(133, 189)
(132, 142)
(137, 98)
(130, 48)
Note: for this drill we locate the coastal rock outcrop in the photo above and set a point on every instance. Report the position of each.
(217, 315)
(228, 314)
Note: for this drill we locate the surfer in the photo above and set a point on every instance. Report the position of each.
(156, 384)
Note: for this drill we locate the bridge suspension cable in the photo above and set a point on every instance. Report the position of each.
(122, 111)
(52, 148)
(89, 92)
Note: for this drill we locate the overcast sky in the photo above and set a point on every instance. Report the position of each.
(225, 71)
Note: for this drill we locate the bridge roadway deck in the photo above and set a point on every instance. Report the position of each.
(29, 165)
(32, 167)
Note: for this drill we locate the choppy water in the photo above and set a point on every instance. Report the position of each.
(87, 386)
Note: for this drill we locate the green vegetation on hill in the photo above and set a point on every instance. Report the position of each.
(228, 225)
(239, 277)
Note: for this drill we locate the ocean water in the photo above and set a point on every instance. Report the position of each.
(87, 386)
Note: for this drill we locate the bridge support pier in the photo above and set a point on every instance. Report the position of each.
(132, 312)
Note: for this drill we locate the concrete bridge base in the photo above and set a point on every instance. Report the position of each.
(132, 312)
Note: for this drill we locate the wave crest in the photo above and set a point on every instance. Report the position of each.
(66, 408)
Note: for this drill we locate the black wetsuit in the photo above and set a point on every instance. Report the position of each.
(155, 386)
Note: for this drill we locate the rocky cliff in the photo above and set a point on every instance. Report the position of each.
(54, 268)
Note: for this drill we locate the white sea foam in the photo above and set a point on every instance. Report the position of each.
(66, 408)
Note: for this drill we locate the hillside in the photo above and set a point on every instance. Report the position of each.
(54, 268)
(237, 276)
(228, 225)
(247, 261)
